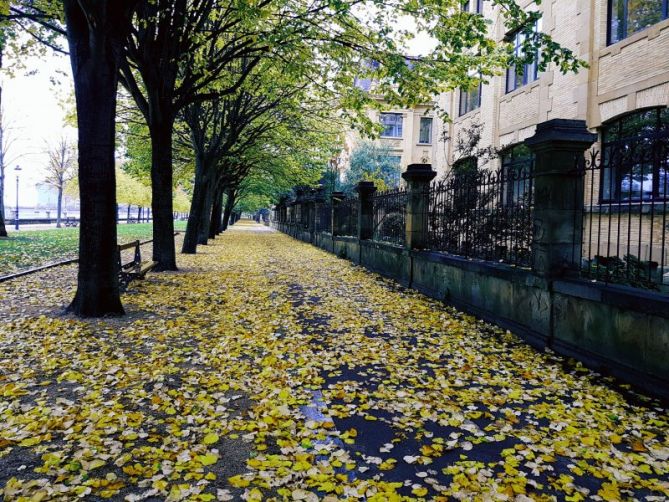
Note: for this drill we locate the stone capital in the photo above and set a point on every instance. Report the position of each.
(365, 188)
(561, 134)
(419, 173)
(337, 196)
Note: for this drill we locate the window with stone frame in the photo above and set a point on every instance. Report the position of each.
(522, 74)
(425, 131)
(392, 125)
(627, 17)
(475, 6)
(470, 99)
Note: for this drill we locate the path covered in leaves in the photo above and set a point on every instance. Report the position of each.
(266, 368)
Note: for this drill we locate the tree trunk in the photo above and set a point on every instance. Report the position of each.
(229, 205)
(205, 217)
(127, 218)
(161, 193)
(140, 211)
(3, 229)
(59, 208)
(94, 56)
(196, 207)
(216, 213)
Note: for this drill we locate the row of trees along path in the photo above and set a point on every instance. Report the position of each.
(194, 59)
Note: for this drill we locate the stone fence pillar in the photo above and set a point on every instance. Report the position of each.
(418, 178)
(366, 190)
(336, 198)
(318, 200)
(559, 146)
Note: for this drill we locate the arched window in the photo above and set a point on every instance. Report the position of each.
(635, 157)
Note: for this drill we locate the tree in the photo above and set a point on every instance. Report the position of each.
(6, 141)
(294, 154)
(181, 200)
(135, 142)
(60, 169)
(4, 35)
(3, 230)
(176, 50)
(131, 191)
(218, 127)
(373, 162)
(96, 34)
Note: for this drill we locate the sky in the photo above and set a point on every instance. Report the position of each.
(33, 111)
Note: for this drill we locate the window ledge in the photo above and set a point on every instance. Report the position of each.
(467, 115)
(656, 206)
(423, 144)
(527, 88)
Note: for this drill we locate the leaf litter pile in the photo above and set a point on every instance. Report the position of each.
(268, 369)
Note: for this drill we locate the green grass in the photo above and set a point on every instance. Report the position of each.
(32, 248)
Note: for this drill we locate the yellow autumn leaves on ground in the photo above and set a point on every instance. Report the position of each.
(268, 369)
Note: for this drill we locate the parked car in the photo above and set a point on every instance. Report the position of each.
(637, 187)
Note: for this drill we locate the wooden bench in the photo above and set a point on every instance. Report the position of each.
(71, 222)
(134, 269)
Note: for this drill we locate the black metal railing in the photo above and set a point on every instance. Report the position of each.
(625, 220)
(389, 210)
(324, 218)
(485, 215)
(346, 217)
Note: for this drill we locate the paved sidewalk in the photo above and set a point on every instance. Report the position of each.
(266, 368)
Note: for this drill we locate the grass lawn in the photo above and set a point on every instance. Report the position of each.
(31, 248)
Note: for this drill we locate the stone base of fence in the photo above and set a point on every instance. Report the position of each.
(616, 330)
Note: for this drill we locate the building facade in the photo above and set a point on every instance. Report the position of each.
(408, 134)
(626, 45)
(623, 96)
(624, 88)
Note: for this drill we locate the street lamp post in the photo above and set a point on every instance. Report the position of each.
(16, 219)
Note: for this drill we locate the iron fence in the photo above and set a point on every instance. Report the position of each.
(346, 217)
(625, 220)
(389, 209)
(485, 215)
(324, 217)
